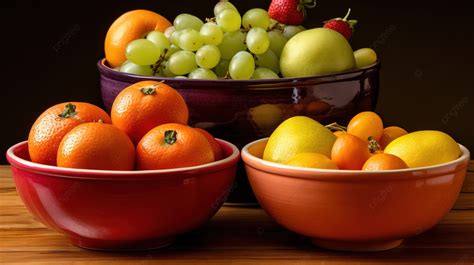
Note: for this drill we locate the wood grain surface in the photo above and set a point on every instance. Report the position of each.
(233, 236)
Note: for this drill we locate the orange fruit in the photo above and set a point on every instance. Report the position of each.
(366, 124)
(349, 152)
(384, 162)
(173, 145)
(96, 145)
(338, 133)
(311, 160)
(216, 147)
(145, 105)
(389, 134)
(128, 27)
(51, 126)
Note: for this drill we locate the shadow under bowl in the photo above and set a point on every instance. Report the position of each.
(354, 210)
(123, 210)
(241, 111)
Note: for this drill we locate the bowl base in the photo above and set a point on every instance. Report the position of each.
(118, 245)
(357, 246)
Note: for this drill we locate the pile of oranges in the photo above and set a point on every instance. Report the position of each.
(361, 144)
(147, 129)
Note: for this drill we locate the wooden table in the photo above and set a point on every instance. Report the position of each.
(233, 236)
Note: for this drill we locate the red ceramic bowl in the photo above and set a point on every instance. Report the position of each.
(123, 210)
(354, 210)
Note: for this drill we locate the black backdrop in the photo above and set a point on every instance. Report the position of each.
(50, 50)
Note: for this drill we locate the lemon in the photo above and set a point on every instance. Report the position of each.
(312, 160)
(298, 135)
(424, 148)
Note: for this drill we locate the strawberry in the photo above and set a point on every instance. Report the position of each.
(291, 12)
(342, 25)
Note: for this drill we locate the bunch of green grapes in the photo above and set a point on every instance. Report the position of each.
(228, 46)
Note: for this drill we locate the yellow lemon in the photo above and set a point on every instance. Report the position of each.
(298, 135)
(312, 160)
(424, 148)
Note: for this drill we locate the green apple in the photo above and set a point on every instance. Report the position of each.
(316, 51)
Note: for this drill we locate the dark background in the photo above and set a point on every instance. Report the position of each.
(50, 50)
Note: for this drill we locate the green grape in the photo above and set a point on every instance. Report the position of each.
(273, 23)
(201, 73)
(222, 68)
(290, 30)
(257, 40)
(229, 20)
(159, 39)
(208, 56)
(264, 73)
(277, 41)
(187, 21)
(190, 40)
(268, 60)
(232, 43)
(182, 62)
(168, 31)
(221, 5)
(165, 70)
(174, 38)
(365, 57)
(256, 18)
(242, 66)
(131, 68)
(211, 33)
(173, 48)
(142, 52)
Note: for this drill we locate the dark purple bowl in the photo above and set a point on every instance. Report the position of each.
(242, 111)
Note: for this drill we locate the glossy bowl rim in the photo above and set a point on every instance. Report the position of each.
(341, 174)
(18, 162)
(337, 76)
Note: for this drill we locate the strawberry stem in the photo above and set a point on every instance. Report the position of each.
(347, 15)
(170, 136)
(69, 111)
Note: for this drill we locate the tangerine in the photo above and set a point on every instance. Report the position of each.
(389, 134)
(216, 147)
(144, 105)
(173, 145)
(366, 124)
(51, 126)
(384, 162)
(96, 145)
(128, 27)
(349, 152)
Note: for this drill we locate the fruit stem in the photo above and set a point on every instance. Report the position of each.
(336, 127)
(69, 111)
(373, 145)
(309, 3)
(170, 136)
(148, 90)
(347, 15)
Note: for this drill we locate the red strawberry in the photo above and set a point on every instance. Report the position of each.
(342, 25)
(291, 12)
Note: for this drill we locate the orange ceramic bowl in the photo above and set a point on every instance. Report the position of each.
(354, 210)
